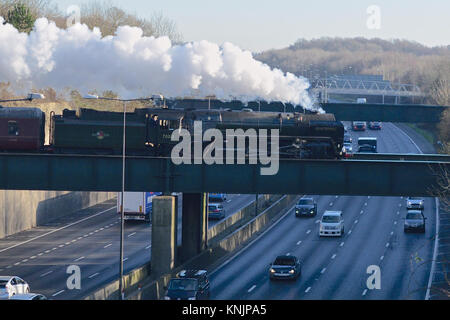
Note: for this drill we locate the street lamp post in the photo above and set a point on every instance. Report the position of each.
(124, 101)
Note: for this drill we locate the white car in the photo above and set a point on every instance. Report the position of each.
(28, 296)
(332, 224)
(414, 203)
(12, 285)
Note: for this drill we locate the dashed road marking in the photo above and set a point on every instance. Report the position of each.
(356, 221)
(333, 256)
(349, 231)
(131, 234)
(308, 232)
(387, 244)
(252, 288)
(25, 260)
(148, 247)
(382, 257)
(46, 274)
(307, 290)
(323, 270)
(342, 244)
(57, 293)
(17, 263)
(108, 245)
(93, 275)
(364, 292)
(298, 243)
(32, 257)
(125, 259)
(80, 258)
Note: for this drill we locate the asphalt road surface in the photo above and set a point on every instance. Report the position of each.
(337, 268)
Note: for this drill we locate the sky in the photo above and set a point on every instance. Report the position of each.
(259, 25)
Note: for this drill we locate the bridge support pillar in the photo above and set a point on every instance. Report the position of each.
(164, 229)
(194, 225)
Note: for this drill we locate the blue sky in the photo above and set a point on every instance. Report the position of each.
(264, 24)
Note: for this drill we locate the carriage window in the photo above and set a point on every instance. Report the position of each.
(13, 128)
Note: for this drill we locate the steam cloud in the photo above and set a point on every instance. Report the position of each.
(133, 65)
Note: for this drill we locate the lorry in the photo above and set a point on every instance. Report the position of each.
(367, 144)
(138, 205)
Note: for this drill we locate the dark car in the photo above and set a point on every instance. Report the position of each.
(375, 125)
(414, 221)
(306, 207)
(285, 267)
(217, 197)
(189, 285)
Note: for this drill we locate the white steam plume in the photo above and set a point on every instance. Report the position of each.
(135, 66)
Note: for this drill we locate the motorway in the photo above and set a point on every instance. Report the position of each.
(333, 268)
(88, 238)
(336, 268)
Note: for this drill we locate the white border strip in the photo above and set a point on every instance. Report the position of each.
(436, 245)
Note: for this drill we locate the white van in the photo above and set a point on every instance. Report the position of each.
(331, 224)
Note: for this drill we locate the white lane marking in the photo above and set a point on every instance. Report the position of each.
(79, 238)
(298, 243)
(46, 274)
(333, 256)
(288, 254)
(228, 201)
(53, 249)
(131, 234)
(125, 259)
(399, 204)
(47, 251)
(350, 231)
(74, 240)
(80, 258)
(101, 229)
(25, 260)
(57, 293)
(307, 290)
(342, 244)
(365, 204)
(356, 221)
(91, 233)
(8, 267)
(108, 245)
(392, 232)
(85, 236)
(252, 288)
(317, 221)
(398, 212)
(395, 222)
(61, 246)
(323, 270)
(56, 230)
(362, 211)
(93, 275)
(148, 247)
(40, 254)
(387, 244)
(67, 243)
(382, 257)
(32, 257)
(308, 232)
(17, 263)
(331, 203)
(364, 292)
(435, 251)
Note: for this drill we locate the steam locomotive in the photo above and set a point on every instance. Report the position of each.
(149, 130)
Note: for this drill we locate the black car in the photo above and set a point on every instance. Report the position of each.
(189, 285)
(306, 207)
(414, 221)
(285, 267)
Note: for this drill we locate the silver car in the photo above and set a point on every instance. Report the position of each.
(332, 224)
(12, 285)
(216, 211)
(414, 203)
(28, 296)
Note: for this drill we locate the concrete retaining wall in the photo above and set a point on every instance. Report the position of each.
(22, 210)
(140, 285)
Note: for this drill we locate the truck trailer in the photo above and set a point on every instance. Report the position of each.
(138, 205)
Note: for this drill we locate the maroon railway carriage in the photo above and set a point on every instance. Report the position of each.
(22, 129)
